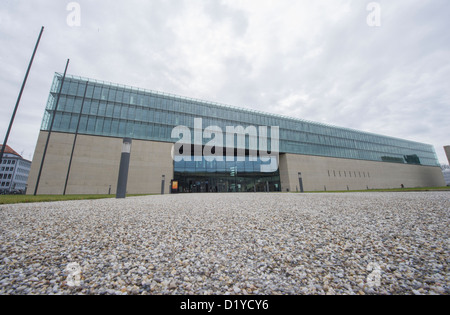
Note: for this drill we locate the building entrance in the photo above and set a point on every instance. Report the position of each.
(218, 183)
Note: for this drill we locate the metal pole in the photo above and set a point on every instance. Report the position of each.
(20, 96)
(50, 129)
(75, 139)
(163, 184)
(123, 170)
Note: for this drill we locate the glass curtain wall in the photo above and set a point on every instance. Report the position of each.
(118, 111)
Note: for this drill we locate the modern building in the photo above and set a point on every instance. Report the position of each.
(447, 152)
(93, 117)
(14, 171)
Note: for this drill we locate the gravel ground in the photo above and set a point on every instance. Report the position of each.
(353, 243)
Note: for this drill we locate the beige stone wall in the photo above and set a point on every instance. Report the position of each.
(95, 165)
(96, 162)
(337, 174)
(447, 152)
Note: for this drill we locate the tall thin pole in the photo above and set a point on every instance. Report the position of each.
(75, 139)
(20, 95)
(50, 129)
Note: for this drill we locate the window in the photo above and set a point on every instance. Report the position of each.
(73, 89)
(112, 95)
(107, 126)
(86, 107)
(65, 122)
(122, 128)
(115, 127)
(90, 91)
(109, 110)
(102, 109)
(91, 124)
(81, 89)
(116, 113)
(97, 92)
(132, 113)
(126, 97)
(77, 105)
(94, 108)
(83, 123)
(123, 113)
(119, 96)
(104, 94)
(99, 125)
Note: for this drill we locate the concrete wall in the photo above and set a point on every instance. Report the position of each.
(319, 173)
(95, 165)
(96, 162)
(447, 151)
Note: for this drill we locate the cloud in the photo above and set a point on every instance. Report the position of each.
(316, 60)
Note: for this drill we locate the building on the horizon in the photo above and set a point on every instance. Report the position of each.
(93, 117)
(14, 171)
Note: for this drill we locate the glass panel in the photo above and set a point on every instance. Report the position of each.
(81, 89)
(109, 110)
(102, 109)
(119, 96)
(107, 126)
(116, 113)
(91, 125)
(90, 91)
(94, 107)
(122, 128)
(73, 89)
(83, 124)
(74, 123)
(115, 127)
(105, 92)
(97, 92)
(99, 125)
(112, 95)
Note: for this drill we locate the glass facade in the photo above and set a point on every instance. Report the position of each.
(104, 109)
(225, 176)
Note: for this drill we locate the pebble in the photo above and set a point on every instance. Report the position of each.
(226, 244)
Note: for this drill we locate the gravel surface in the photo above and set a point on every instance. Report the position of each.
(353, 243)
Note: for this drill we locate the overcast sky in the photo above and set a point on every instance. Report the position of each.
(319, 60)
